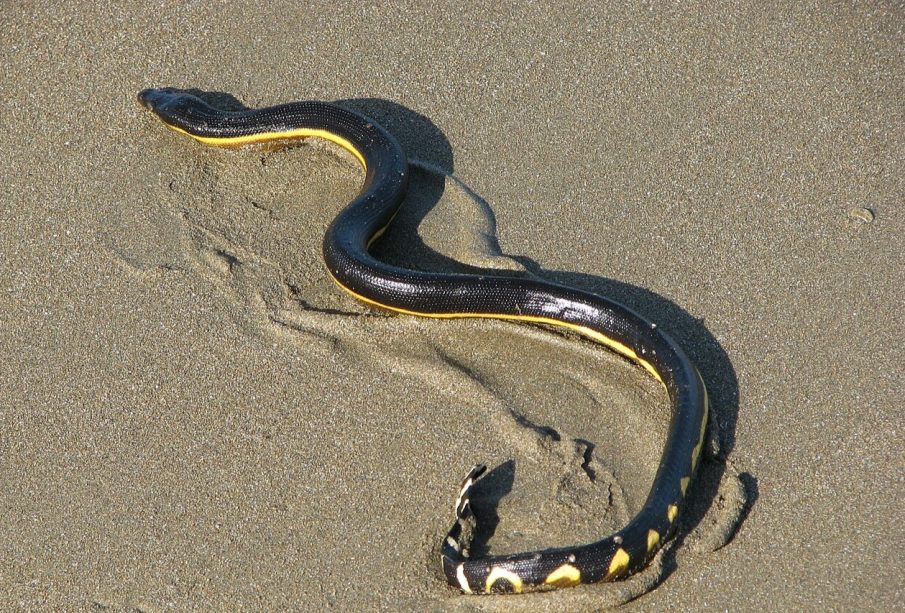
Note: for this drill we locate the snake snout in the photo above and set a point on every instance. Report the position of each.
(149, 98)
(157, 98)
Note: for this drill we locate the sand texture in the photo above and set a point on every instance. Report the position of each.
(192, 416)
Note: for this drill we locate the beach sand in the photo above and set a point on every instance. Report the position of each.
(193, 416)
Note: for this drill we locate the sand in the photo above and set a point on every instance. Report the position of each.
(193, 417)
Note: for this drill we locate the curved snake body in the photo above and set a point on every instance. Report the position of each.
(427, 294)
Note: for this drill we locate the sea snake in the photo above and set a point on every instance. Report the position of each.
(427, 294)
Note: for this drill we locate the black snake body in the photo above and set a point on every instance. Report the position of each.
(426, 294)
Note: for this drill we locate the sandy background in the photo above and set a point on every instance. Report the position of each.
(193, 417)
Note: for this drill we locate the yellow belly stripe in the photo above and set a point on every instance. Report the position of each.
(264, 137)
(613, 344)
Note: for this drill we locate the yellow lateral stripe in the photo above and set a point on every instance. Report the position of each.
(615, 345)
(697, 449)
(379, 233)
(375, 236)
(263, 137)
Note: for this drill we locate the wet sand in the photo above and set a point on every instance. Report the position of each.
(193, 416)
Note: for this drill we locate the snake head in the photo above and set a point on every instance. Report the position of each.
(162, 99)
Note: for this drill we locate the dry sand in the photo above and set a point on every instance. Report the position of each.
(193, 417)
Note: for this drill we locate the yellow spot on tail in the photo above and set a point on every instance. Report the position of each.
(266, 137)
(463, 582)
(653, 539)
(497, 573)
(604, 340)
(683, 484)
(564, 576)
(671, 512)
(618, 564)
